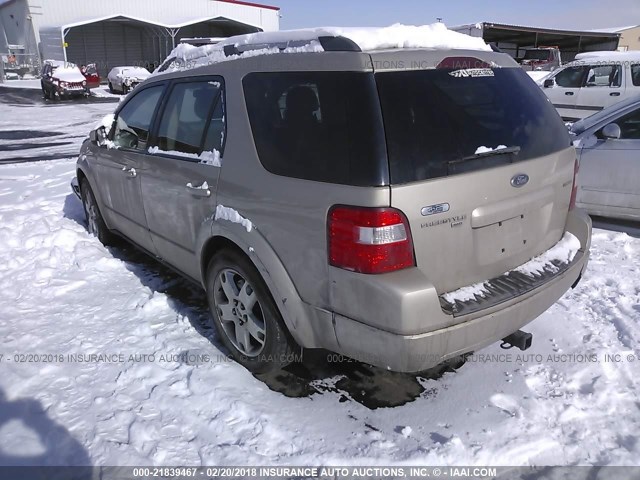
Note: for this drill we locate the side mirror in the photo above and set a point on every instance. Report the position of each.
(548, 83)
(612, 131)
(98, 136)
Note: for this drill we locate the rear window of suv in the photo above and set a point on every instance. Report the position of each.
(436, 121)
(321, 126)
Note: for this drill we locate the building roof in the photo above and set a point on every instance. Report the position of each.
(527, 36)
(615, 29)
(251, 4)
(179, 23)
(557, 31)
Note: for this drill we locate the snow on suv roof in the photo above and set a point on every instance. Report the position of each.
(435, 36)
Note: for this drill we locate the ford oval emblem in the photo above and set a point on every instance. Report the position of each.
(520, 180)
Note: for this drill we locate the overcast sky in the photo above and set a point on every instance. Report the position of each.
(574, 14)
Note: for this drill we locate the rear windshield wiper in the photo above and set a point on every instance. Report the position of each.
(491, 153)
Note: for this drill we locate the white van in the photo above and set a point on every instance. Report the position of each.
(592, 82)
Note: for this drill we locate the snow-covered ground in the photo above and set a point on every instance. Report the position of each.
(31, 84)
(34, 129)
(107, 358)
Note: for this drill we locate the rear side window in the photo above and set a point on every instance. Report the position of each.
(572, 77)
(604, 76)
(189, 114)
(134, 120)
(322, 126)
(438, 121)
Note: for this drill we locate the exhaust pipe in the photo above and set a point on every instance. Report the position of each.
(519, 339)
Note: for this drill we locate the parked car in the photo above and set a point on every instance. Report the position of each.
(395, 217)
(11, 76)
(541, 59)
(62, 79)
(125, 79)
(608, 144)
(91, 75)
(594, 81)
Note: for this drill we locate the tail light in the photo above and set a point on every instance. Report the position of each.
(574, 188)
(369, 240)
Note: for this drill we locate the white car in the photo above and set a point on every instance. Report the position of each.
(125, 79)
(595, 80)
(11, 76)
(608, 145)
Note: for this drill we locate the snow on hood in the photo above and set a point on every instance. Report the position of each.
(434, 36)
(68, 74)
(135, 72)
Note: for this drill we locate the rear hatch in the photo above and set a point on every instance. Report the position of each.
(481, 165)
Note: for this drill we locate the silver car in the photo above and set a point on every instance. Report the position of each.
(608, 145)
(399, 207)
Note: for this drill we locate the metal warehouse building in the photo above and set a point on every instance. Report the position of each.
(119, 32)
(514, 39)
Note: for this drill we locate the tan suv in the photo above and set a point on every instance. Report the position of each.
(399, 207)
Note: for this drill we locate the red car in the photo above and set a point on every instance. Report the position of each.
(90, 72)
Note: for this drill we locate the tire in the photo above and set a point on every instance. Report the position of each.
(46, 93)
(95, 222)
(255, 335)
(111, 88)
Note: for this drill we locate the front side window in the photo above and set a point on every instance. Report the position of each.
(630, 126)
(320, 126)
(134, 120)
(572, 77)
(604, 76)
(193, 119)
(635, 74)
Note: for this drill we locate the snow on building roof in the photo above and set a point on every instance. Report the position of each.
(435, 36)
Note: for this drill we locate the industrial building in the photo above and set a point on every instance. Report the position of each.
(515, 39)
(118, 32)
(629, 37)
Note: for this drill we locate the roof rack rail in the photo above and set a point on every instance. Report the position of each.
(328, 43)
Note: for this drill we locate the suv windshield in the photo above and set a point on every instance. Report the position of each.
(443, 122)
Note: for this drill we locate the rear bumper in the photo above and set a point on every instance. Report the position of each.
(417, 352)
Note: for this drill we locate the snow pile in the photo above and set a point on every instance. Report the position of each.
(231, 215)
(467, 293)
(204, 186)
(435, 36)
(208, 158)
(106, 122)
(483, 149)
(564, 251)
(189, 56)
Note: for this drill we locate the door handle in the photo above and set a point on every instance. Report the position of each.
(131, 172)
(568, 93)
(614, 94)
(201, 191)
